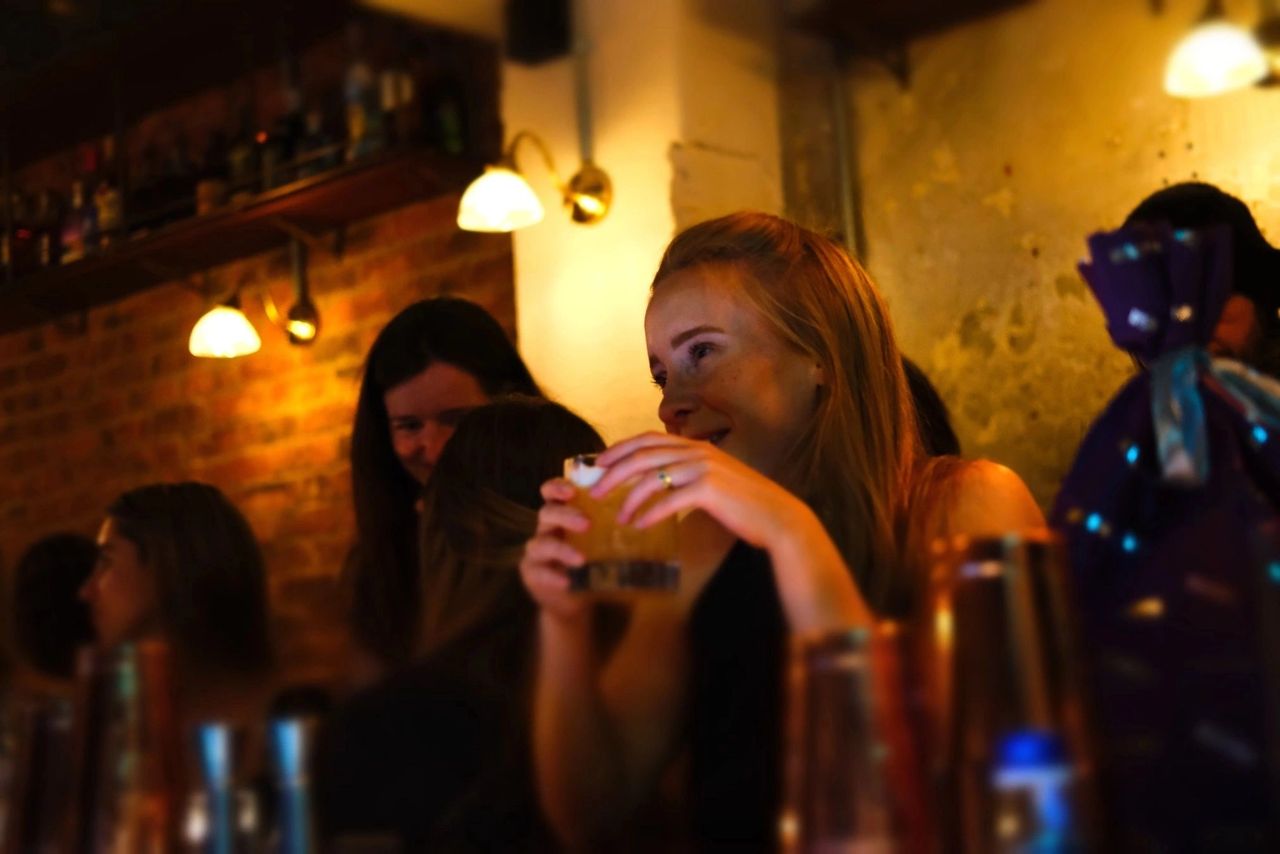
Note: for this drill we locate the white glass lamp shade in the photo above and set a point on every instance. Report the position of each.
(499, 200)
(1214, 58)
(223, 333)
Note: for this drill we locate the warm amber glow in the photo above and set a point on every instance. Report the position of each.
(223, 333)
(943, 625)
(1151, 608)
(499, 200)
(591, 205)
(301, 329)
(1215, 58)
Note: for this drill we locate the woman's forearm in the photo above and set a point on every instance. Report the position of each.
(578, 762)
(815, 585)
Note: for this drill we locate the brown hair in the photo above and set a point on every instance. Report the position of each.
(481, 505)
(210, 582)
(856, 462)
(381, 574)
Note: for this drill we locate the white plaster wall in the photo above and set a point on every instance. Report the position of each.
(1017, 137)
(684, 112)
(581, 291)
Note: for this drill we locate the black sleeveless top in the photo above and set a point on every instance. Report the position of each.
(738, 638)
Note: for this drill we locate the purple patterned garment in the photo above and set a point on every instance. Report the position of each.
(1170, 517)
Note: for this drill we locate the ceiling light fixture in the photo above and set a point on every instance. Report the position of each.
(1216, 57)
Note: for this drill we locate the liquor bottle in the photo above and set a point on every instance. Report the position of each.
(78, 225)
(211, 821)
(18, 245)
(211, 181)
(1007, 729)
(143, 200)
(396, 94)
(317, 150)
(852, 780)
(291, 742)
(48, 228)
(139, 810)
(177, 184)
(108, 201)
(443, 108)
(282, 144)
(92, 699)
(242, 157)
(366, 124)
(37, 796)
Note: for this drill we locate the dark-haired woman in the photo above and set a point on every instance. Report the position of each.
(437, 756)
(178, 562)
(435, 361)
(49, 620)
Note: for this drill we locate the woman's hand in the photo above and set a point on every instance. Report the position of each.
(697, 475)
(547, 556)
(675, 474)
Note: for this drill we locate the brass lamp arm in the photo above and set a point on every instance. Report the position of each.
(509, 156)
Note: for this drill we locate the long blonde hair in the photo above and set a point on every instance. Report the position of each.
(857, 461)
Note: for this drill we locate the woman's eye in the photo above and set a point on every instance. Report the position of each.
(699, 351)
(660, 380)
(407, 426)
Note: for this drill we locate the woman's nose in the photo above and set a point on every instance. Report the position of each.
(676, 407)
(433, 438)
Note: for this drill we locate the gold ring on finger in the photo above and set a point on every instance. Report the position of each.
(667, 482)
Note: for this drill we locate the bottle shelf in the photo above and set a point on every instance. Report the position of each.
(317, 205)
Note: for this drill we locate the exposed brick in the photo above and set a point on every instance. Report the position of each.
(45, 368)
(84, 417)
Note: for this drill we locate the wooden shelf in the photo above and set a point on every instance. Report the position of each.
(315, 205)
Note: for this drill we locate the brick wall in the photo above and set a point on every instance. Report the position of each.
(88, 410)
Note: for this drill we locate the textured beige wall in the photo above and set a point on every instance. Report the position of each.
(1016, 138)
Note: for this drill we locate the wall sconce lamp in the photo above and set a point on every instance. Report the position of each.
(224, 332)
(1216, 57)
(302, 323)
(1268, 35)
(502, 200)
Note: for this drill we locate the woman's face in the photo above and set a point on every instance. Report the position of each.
(726, 376)
(120, 593)
(423, 412)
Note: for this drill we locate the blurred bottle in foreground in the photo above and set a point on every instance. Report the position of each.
(1003, 697)
(36, 797)
(291, 742)
(852, 769)
(136, 792)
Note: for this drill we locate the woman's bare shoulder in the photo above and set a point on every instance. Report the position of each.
(985, 498)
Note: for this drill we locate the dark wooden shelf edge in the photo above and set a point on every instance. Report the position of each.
(316, 205)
